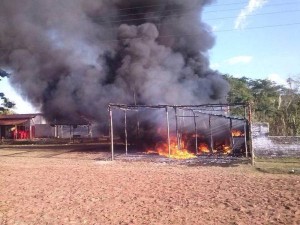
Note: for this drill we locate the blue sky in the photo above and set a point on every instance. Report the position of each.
(256, 46)
(254, 49)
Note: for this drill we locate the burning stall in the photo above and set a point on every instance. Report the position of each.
(18, 126)
(180, 131)
(31, 126)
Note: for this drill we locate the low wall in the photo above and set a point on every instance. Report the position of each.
(281, 146)
(272, 146)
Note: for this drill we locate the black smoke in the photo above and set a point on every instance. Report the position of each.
(73, 57)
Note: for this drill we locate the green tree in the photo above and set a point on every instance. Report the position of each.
(266, 96)
(239, 90)
(289, 108)
(272, 103)
(239, 93)
(5, 104)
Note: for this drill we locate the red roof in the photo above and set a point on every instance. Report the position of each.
(12, 122)
(15, 119)
(18, 116)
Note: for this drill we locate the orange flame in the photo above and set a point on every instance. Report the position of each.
(226, 149)
(237, 133)
(203, 147)
(175, 153)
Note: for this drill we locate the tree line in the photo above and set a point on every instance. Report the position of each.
(275, 104)
(5, 104)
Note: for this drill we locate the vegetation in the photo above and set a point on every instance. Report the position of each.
(278, 165)
(276, 104)
(5, 104)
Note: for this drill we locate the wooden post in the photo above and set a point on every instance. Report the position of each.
(245, 135)
(168, 130)
(125, 127)
(111, 134)
(16, 132)
(231, 136)
(30, 130)
(55, 131)
(250, 135)
(211, 136)
(177, 131)
(196, 133)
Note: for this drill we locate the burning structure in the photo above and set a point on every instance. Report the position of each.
(196, 129)
(18, 126)
(35, 126)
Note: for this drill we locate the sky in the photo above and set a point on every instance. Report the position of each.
(258, 39)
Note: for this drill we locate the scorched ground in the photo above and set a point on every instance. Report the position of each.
(67, 190)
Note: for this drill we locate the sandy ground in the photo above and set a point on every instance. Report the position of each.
(81, 190)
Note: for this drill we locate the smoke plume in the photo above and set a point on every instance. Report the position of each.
(73, 57)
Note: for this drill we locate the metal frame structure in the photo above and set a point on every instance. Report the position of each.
(211, 110)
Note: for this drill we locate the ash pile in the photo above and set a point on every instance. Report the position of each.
(204, 160)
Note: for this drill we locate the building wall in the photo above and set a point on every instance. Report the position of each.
(43, 131)
(47, 131)
(40, 128)
(271, 146)
(70, 131)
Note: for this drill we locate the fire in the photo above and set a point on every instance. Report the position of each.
(223, 147)
(203, 147)
(226, 149)
(237, 133)
(175, 153)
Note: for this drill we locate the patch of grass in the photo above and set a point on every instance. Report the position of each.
(278, 165)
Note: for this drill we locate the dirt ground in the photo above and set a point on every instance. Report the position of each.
(77, 188)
